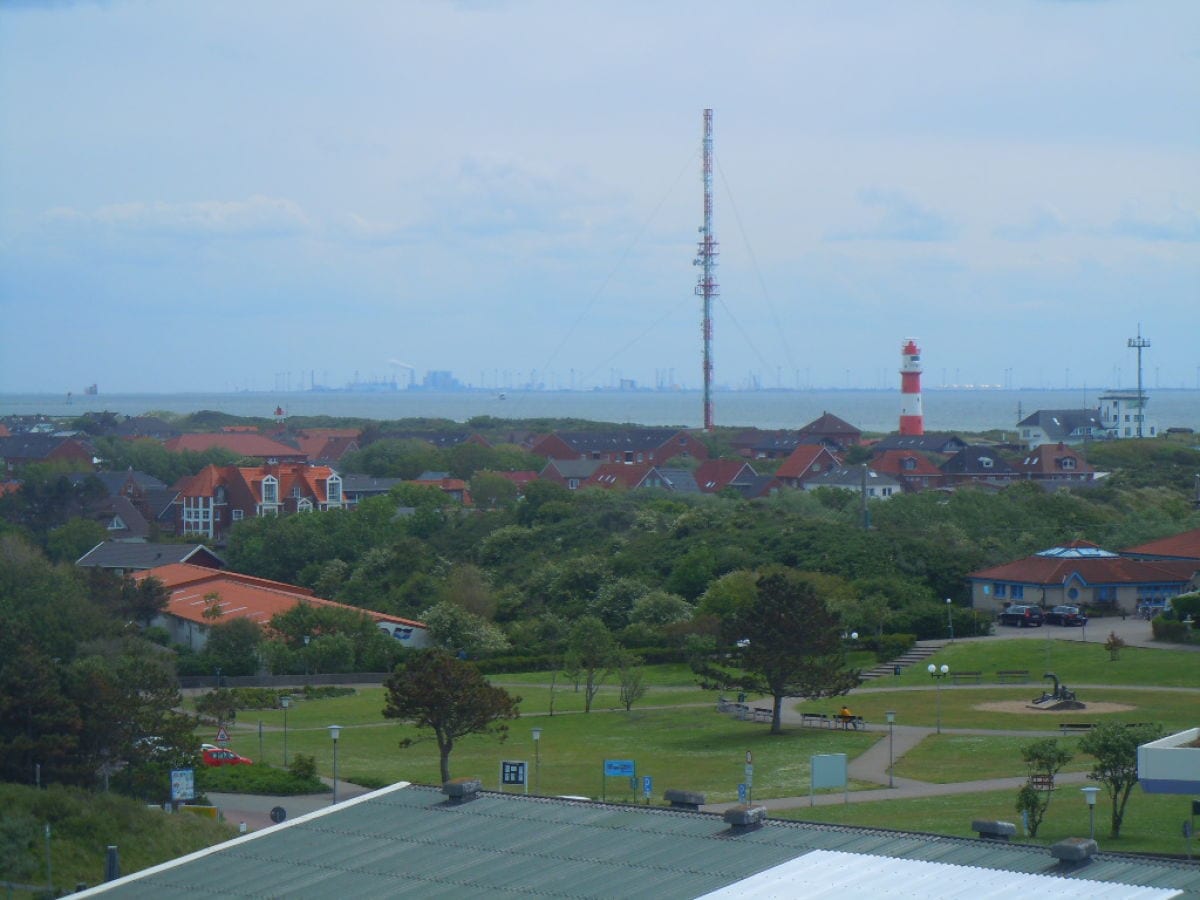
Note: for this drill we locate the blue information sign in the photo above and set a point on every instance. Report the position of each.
(742, 793)
(619, 767)
(647, 785)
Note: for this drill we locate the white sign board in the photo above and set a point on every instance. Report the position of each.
(183, 784)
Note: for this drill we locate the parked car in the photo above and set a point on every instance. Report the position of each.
(1066, 615)
(219, 756)
(1022, 616)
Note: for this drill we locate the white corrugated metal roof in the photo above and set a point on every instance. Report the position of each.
(836, 874)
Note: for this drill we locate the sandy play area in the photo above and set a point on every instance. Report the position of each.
(1020, 706)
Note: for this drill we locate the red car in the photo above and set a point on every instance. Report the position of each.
(219, 756)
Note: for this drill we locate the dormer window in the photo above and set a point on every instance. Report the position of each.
(333, 489)
(270, 490)
(219, 494)
(1067, 462)
(296, 492)
(909, 463)
(985, 462)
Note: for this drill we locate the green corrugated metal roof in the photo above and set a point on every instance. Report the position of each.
(410, 841)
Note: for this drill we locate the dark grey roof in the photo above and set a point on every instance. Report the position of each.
(146, 426)
(437, 438)
(851, 477)
(930, 442)
(122, 519)
(114, 481)
(754, 486)
(33, 446)
(1059, 424)
(118, 555)
(411, 841)
(634, 439)
(353, 483)
(981, 461)
(682, 481)
(573, 468)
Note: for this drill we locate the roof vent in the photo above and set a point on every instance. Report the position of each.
(1074, 850)
(462, 790)
(692, 800)
(745, 817)
(990, 830)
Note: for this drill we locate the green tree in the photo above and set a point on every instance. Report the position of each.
(492, 491)
(785, 642)
(1043, 761)
(143, 599)
(632, 679)
(435, 691)
(233, 646)
(1115, 748)
(455, 630)
(593, 651)
(68, 542)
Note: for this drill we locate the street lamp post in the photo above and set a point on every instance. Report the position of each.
(334, 731)
(1090, 794)
(950, 617)
(938, 675)
(285, 702)
(537, 761)
(891, 720)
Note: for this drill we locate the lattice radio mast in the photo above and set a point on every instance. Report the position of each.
(706, 287)
(1139, 343)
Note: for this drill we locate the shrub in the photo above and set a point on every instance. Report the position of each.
(891, 646)
(303, 766)
(259, 779)
(1170, 630)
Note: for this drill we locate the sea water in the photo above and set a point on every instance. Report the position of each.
(876, 411)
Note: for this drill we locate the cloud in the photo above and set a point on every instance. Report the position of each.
(256, 216)
(899, 218)
(1045, 221)
(1180, 224)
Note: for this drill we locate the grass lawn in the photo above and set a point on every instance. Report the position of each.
(959, 707)
(693, 748)
(947, 758)
(1064, 654)
(1152, 821)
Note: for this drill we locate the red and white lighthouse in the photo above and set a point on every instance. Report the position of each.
(912, 415)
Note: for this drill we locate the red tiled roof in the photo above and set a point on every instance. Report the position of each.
(240, 596)
(801, 460)
(829, 424)
(1046, 459)
(714, 474)
(241, 444)
(1183, 546)
(891, 462)
(610, 475)
(1104, 570)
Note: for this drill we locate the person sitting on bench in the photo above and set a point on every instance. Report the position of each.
(846, 716)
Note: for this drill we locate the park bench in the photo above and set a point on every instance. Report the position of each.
(816, 720)
(763, 714)
(1070, 727)
(724, 704)
(847, 722)
(959, 677)
(1005, 676)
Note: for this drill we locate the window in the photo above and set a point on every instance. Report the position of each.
(237, 514)
(1105, 593)
(986, 462)
(333, 489)
(1067, 463)
(909, 463)
(1017, 592)
(219, 495)
(1073, 593)
(641, 457)
(296, 493)
(998, 588)
(270, 490)
(628, 456)
(304, 505)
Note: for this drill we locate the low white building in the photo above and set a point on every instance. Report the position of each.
(1123, 414)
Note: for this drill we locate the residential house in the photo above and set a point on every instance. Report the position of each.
(714, 475)
(520, 479)
(1054, 463)
(443, 440)
(911, 469)
(456, 488)
(325, 446)
(755, 487)
(1067, 426)
(22, 449)
(126, 558)
(356, 488)
(828, 429)
(241, 443)
(1080, 573)
(623, 476)
(805, 462)
(977, 465)
(632, 447)
(202, 597)
(754, 443)
(570, 473)
(859, 479)
(218, 497)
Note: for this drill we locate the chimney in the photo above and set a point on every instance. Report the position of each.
(745, 818)
(462, 790)
(1074, 851)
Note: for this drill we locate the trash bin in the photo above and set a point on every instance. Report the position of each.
(741, 698)
(896, 671)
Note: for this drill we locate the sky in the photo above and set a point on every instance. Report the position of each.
(242, 195)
